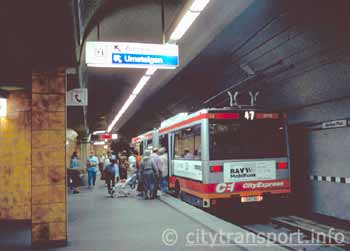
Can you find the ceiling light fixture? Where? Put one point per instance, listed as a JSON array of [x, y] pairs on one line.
[[199, 5], [151, 71], [98, 132], [141, 84], [183, 25], [121, 111], [186, 21], [3, 107]]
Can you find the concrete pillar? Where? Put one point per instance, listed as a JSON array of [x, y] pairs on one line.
[[84, 150], [49, 202]]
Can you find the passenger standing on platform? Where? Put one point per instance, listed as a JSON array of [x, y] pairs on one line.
[[105, 164], [101, 160], [138, 172], [123, 165], [92, 169], [112, 174], [164, 175], [74, 173], [132, 162], [159, 165], [149, 173], [74, 161]]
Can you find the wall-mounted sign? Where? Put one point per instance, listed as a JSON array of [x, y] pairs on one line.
[[335, 124], [77, 97], [131, 55]]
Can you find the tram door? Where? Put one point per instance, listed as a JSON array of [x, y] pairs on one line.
[[164, 142]]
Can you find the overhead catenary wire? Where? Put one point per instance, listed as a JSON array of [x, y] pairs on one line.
[[265, 42], [250, 51], [268, 79], [240, 82], [262, 28], [289, 39], [310, 67]]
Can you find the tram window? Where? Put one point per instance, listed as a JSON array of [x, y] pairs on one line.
[[188, 143], [163, 141], [149, 144], [247, 139]]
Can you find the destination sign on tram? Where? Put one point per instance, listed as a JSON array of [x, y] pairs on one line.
[[132, 55]]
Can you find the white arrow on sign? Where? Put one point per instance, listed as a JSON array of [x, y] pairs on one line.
[[77, 97]]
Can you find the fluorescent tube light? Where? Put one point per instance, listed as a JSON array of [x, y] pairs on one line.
[[121, 111], [127, 103], [141, 84], [183, 25], [98, 132], [150, 71], [199, 5]]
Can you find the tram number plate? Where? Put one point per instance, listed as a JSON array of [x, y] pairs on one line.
[[251, 199]]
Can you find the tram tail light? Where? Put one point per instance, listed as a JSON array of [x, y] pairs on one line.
[[216, 169], [282, 165]]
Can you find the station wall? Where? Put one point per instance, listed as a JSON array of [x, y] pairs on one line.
[[328, 151], [15, 155]]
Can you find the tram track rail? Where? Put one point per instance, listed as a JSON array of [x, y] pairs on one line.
[[311, 236]]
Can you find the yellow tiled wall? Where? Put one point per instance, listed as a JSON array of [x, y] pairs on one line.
[[49, 206], [15, 156]]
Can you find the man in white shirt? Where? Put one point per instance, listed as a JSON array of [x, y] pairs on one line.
[[132, 162], [164, 175]]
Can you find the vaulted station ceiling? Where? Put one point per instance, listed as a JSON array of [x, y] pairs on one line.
[[294, 52], [141, 22]]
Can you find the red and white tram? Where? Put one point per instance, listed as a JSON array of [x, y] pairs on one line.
[[226, 154]]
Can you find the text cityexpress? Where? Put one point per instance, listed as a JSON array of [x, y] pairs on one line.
[[248, 186]]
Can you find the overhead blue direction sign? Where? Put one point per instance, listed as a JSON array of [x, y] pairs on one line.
[[155, 60], [131, 55]]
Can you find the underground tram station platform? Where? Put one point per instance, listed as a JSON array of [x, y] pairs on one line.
[[175, 125]]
